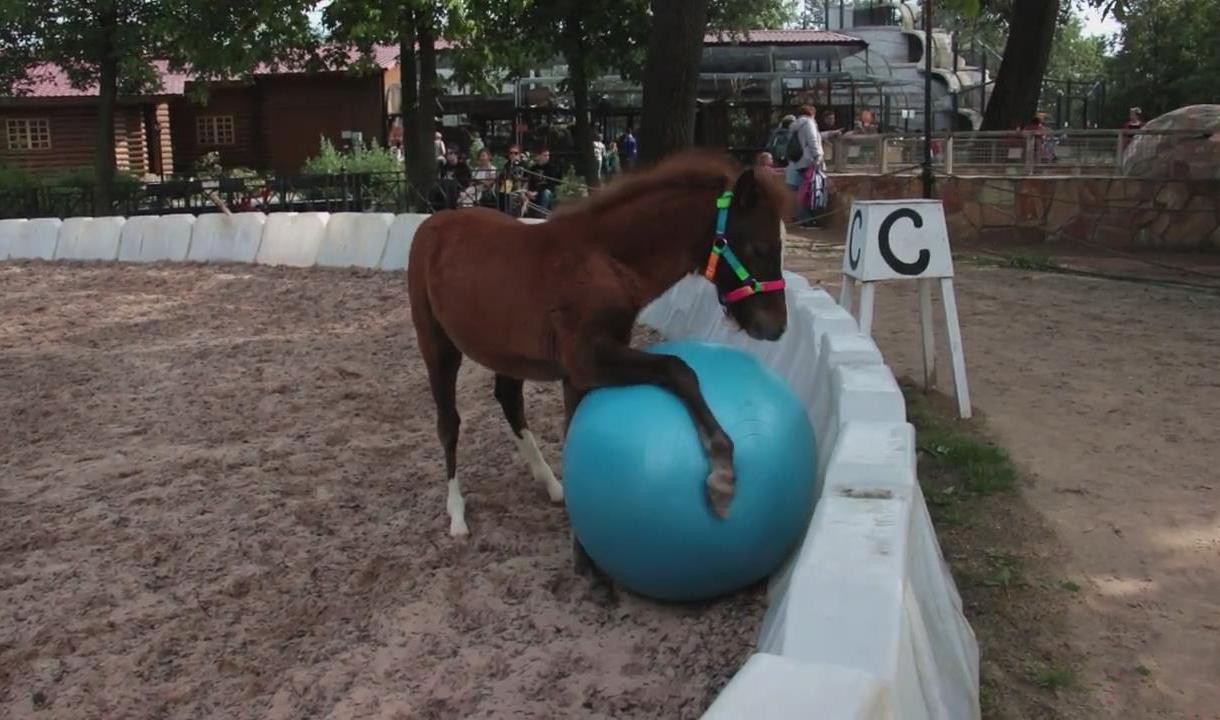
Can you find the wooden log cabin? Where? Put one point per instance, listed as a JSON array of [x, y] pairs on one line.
[[271, 122]]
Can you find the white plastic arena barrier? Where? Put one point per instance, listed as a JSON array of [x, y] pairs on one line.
[[29, 239], [156, 238], [89, 238], [355, 240], [864, 620], [293, 239], [217, 237], [9, 230], [398, 241]]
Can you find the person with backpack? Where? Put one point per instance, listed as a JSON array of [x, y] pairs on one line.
[[804, 156], [779, 139]]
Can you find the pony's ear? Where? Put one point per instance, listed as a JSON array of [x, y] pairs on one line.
[[746, 190]]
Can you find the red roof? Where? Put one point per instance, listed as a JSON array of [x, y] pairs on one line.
[[783, 37], [49, 80]]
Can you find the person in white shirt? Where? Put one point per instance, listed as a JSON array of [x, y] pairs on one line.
[[806, 130], [599, 152]]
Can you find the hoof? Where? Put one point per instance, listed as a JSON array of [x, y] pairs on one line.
[[457, 528], [720, 490]]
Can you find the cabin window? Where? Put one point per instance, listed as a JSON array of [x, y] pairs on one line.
[[215, 130], [28, 133]]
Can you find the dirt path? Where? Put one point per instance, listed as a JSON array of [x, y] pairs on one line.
[[222, 496], [1108, 396]]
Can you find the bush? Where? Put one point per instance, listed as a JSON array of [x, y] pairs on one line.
[[571, 187], [360, 159], [384, 190], [63, 192]]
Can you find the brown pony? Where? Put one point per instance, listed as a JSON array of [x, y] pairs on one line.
[[557, 301]]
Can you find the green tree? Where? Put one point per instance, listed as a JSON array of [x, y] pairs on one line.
[[593, 37], [111, 44], [1169, 57], [671, 67], [415, 26], [596, 37], [1074, 55], [1031, 31]]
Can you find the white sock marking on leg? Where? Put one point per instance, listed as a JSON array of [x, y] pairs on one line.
[[457, 509], [528, 447]]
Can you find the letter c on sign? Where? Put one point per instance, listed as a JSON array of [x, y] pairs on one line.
[[853, 258], [887, 253]]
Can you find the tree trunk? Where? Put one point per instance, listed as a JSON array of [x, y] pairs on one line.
[[578, 77], [671, 77], [107, 97], [425, 130], [1031, 32], [410, 109]]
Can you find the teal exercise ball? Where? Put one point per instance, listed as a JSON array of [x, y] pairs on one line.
[[635, 478]]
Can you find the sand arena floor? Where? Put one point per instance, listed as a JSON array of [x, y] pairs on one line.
[[223, 497]]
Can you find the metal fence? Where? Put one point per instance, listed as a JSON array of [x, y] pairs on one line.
[[1019, 153], [344, 192]]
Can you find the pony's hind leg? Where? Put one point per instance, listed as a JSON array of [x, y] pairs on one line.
[[511, 396], [443, 360]]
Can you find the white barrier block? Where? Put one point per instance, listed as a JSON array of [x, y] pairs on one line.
[[873, 459], [843, 600], [865, 392], [868, 460], [794, 282], [668, 312], [398, 240], [355, 239], [292, 239], [858, 392], [156, 238], [797, 361], [35, 239], [89, 238], [217, 237], [837, 349], [770, 687], [945, 646], [10, 230]]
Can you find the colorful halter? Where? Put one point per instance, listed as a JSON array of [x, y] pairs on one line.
[[720, 247]]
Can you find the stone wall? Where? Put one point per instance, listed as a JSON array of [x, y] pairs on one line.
[[1118, 212]]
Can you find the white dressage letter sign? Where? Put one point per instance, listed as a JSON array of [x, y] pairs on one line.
[[897, 240], [905, 240]]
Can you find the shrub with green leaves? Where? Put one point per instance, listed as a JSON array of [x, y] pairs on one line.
[[361, 158], [571, 187], [384, 189]]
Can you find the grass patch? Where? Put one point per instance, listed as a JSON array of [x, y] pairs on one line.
[[1054, 677], [1032, 261], [980, 466], [1069, 585], [1143, 670], [1004, 570]]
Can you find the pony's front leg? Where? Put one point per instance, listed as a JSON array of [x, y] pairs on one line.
[[608, 363]]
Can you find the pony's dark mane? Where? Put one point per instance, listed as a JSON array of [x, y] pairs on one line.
[[689, 169]]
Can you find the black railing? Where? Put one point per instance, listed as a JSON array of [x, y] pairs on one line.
[[344, 192]]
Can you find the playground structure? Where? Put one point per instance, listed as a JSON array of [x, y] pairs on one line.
[[863, 620]]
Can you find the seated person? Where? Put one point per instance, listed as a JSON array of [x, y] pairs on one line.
[[544, 180], [482, 187], [513, 183], [450, 166]]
